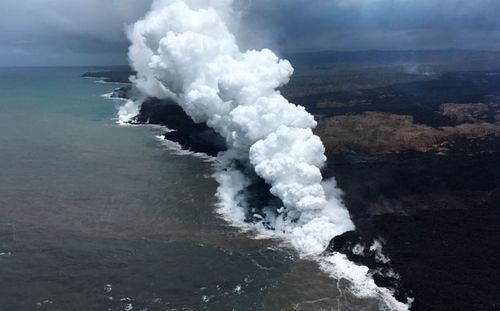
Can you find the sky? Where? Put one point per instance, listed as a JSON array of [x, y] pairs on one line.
[[91, 32]]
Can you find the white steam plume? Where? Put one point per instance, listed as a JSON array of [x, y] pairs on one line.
[[190, 55], [183, 50]]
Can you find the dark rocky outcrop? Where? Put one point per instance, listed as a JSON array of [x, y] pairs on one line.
[[192, 136], [124, 92], [366, 248]]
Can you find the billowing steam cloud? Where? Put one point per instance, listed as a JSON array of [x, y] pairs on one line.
[[190, 55], [183, 50]]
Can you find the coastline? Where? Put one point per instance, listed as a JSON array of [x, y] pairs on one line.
[[389, 197], [185, 137]]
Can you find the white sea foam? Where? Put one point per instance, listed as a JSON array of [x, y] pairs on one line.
[[127, 112], [177, 148], [107, 95], [339, 267], [110, 96], [108, 82]]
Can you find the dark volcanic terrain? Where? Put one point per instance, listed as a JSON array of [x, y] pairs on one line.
[[413, 141]]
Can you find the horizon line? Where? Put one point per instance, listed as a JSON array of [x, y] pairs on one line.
[[284, 54]]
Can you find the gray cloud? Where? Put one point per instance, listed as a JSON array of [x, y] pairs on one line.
[[305, 25], [64, 32], [40, 32]]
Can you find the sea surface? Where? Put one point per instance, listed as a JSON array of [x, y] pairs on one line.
[[97, 216]]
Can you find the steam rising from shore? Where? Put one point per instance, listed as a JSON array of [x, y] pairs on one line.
[[183, 50], [190, 56]]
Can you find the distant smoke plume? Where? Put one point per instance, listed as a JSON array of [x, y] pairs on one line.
[[418, 70], [183, 50]]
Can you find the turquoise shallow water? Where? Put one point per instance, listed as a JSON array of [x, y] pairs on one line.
[[94, 216]]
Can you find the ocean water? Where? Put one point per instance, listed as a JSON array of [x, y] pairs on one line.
[[96, 216]]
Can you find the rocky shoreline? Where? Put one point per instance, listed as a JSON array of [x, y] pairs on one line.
[[436, 217], [427, 193], [190, 135]]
